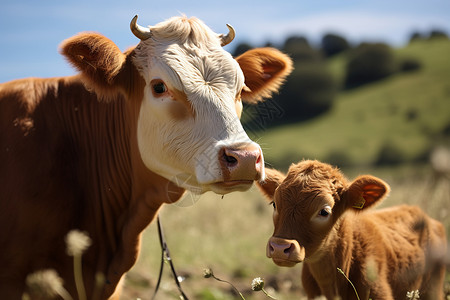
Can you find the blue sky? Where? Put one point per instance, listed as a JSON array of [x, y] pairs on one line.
[[31, 31]]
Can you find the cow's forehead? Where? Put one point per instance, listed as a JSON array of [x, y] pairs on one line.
[[192, 56], [200, 71], [184, 30]]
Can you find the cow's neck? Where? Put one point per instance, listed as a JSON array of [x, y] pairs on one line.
[[121, 196], [103, 134]]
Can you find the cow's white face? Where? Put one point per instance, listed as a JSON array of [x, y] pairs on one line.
[[189, 129]]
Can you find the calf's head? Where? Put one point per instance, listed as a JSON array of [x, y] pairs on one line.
[[188, 94], [308, 203]]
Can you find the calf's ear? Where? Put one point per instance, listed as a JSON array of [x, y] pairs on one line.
[[365, 191], [273, 179], [97, 58], [265, 70]]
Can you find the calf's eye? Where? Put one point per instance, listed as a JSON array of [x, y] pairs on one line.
[[273, 204], [323, 213]]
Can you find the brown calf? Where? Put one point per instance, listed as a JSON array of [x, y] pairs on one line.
[[322, 220]]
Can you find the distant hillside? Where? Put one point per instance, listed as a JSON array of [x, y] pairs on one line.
[[395, 120]]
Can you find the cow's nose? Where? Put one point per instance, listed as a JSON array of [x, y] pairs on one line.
[[285, 252], [242, 163]]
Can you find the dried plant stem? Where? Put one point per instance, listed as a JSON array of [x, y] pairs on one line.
[[342, 272], [99, 284], [221, 280], [65, 294], [78, 273], [267, 294]]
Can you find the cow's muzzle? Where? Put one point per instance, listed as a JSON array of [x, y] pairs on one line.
[[284, 252], [241, 163]]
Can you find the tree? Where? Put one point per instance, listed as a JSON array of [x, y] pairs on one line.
[[300, 50], [308, 92], [368, 63], [241, 48], [333, 44], [437, 33], [415, 36]]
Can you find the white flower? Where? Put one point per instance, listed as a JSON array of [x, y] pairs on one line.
[[257, 284], [45, 283], [77, 242], [413, 295], [207, 273]]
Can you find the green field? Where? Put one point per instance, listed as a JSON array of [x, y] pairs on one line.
[[407, 114], [407, 111]]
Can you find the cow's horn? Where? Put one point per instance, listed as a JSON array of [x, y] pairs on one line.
[[140, 32], [226, 39]]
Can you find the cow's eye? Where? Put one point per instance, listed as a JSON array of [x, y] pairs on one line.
[[273, 204], [159, 87], [325, 212]]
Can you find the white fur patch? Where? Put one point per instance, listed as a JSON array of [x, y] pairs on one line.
[[188, 149]]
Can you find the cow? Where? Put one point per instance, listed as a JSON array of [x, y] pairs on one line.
[[101, 151], [325, 221]]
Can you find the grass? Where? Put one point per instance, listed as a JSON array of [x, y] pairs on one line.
[[407, 111]]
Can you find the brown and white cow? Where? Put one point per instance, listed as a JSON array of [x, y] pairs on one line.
[[321, 219], [99, 151]]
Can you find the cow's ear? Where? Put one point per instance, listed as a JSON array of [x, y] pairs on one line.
[[95, 56], [273, 179], [365, 191], [265, 70]]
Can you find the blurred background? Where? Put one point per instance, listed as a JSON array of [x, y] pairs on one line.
[[370, 93]]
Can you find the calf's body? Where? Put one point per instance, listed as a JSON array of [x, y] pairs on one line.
[[385, 253], [321, 220]]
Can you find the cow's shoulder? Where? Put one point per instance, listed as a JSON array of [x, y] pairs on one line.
[[28, 93]]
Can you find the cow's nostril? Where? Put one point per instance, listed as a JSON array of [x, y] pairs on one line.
[[288, 249], [242, 163], [230, 159], [271, 249]]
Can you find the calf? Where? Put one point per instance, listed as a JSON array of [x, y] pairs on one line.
[[323, 220]]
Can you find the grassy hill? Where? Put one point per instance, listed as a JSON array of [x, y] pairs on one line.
[[403, 116]]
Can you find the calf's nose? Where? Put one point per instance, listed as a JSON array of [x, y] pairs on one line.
[[284, 251], [244, 162], [280, 250]]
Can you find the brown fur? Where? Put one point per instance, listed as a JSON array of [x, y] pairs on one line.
[[69, 161], [181, 107], [385, 253], [264, 71]]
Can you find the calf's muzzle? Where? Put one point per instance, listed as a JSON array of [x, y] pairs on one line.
[[285, 252]]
